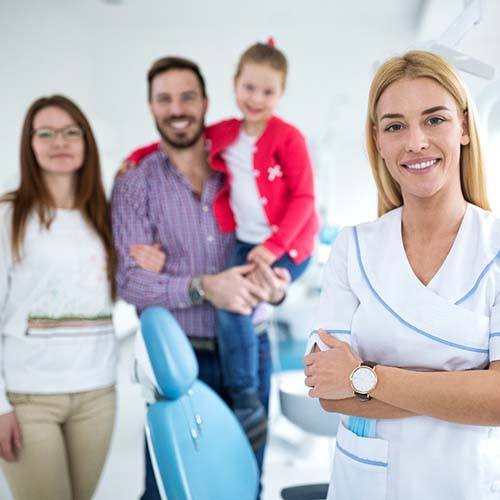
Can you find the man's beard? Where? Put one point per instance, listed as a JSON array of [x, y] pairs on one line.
[[181, 143]]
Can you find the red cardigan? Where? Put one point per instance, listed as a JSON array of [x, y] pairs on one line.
[[284, 179]]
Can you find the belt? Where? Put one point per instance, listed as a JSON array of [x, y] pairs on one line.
[[203, 343], [211, 344]]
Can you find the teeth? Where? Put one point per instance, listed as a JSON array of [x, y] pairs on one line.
[[180, 124], [420, 166]]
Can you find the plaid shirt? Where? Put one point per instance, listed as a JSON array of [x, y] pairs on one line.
[[154, 203]]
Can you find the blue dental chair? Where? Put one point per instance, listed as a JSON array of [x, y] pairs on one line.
[[198, 448]]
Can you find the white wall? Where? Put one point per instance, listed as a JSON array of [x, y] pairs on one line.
[[98, 54]]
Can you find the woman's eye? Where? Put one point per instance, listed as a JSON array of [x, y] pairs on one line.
[[73, 132], [395, 127], [435, 120], [45, 134], [249, 87], [269, 92]]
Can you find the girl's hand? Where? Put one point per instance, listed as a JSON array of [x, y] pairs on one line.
[[261, 254], [327, 372], [10, 436], [149, 257], [134, 158], [125, 166]]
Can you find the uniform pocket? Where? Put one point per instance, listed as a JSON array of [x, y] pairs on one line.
[[359, 467]]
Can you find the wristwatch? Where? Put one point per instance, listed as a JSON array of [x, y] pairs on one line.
[[196, 292], [364, 380]]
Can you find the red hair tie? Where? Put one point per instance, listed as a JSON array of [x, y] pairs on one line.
[[270, 41]]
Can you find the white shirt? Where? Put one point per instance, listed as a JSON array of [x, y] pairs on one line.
[[252, 225], [373, 300], [55, 309]]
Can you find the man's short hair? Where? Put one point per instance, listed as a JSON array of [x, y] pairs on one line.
[[169, 63]]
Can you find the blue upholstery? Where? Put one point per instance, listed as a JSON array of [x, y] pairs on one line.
[[170, 353], [198, 448]]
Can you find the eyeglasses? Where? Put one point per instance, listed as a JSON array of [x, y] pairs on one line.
[[69, 133]]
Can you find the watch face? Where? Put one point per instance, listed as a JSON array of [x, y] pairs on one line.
[[363, 380], [195, 296]]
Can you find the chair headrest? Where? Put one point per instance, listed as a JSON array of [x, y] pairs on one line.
[[170, 353]]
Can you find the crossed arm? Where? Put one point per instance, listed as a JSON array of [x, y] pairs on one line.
[[464, 397]]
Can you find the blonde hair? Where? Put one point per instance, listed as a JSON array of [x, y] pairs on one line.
[[421, 64], [264, 53]]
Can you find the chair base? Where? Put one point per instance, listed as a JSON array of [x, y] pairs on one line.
[[306, 492]]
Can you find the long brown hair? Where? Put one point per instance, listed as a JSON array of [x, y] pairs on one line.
[[32, 195], [422, 64]]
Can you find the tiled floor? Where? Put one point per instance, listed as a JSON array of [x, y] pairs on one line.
[[293, 456]]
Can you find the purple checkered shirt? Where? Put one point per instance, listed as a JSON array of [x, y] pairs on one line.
[[154, 203]]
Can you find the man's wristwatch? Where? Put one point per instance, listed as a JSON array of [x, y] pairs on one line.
[[196, 292], [364, 380]]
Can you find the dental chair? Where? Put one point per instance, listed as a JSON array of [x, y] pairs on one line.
[[198, 448]]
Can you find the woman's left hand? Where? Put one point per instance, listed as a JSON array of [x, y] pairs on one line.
[[328, 372]]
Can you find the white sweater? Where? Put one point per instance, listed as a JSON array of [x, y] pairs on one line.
[[55, 309]]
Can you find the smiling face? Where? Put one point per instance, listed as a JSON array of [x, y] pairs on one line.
[[178, 107], [419, 133], [258, 90], [62, 153]]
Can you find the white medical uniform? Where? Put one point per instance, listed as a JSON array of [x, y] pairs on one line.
[[372, 299]]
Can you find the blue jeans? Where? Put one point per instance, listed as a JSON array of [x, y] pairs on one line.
[[236, 334], [210, 372]]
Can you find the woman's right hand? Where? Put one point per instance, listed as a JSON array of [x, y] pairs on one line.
[[149, 257], [10, 436]]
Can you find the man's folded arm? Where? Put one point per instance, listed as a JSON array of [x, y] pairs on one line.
[[131, 226]]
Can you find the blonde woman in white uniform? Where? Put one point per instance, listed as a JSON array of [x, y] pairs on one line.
[[416, 296]]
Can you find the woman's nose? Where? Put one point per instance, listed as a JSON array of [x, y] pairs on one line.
[[417, 140]]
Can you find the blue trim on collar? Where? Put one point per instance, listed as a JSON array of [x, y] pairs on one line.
[[494, 334], [403, 321], [332, 332], [478, 281], [359, 459]]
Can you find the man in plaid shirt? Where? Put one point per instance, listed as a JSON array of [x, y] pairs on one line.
[[163, 220]]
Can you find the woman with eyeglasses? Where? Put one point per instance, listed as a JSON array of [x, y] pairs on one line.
[[57, 349]]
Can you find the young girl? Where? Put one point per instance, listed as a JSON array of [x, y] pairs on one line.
[[57, 396], [268, 200]]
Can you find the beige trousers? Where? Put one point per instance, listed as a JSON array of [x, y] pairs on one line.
[[65, 442]]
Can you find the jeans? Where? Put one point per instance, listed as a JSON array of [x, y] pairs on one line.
[[210, 372], [236, 334]]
